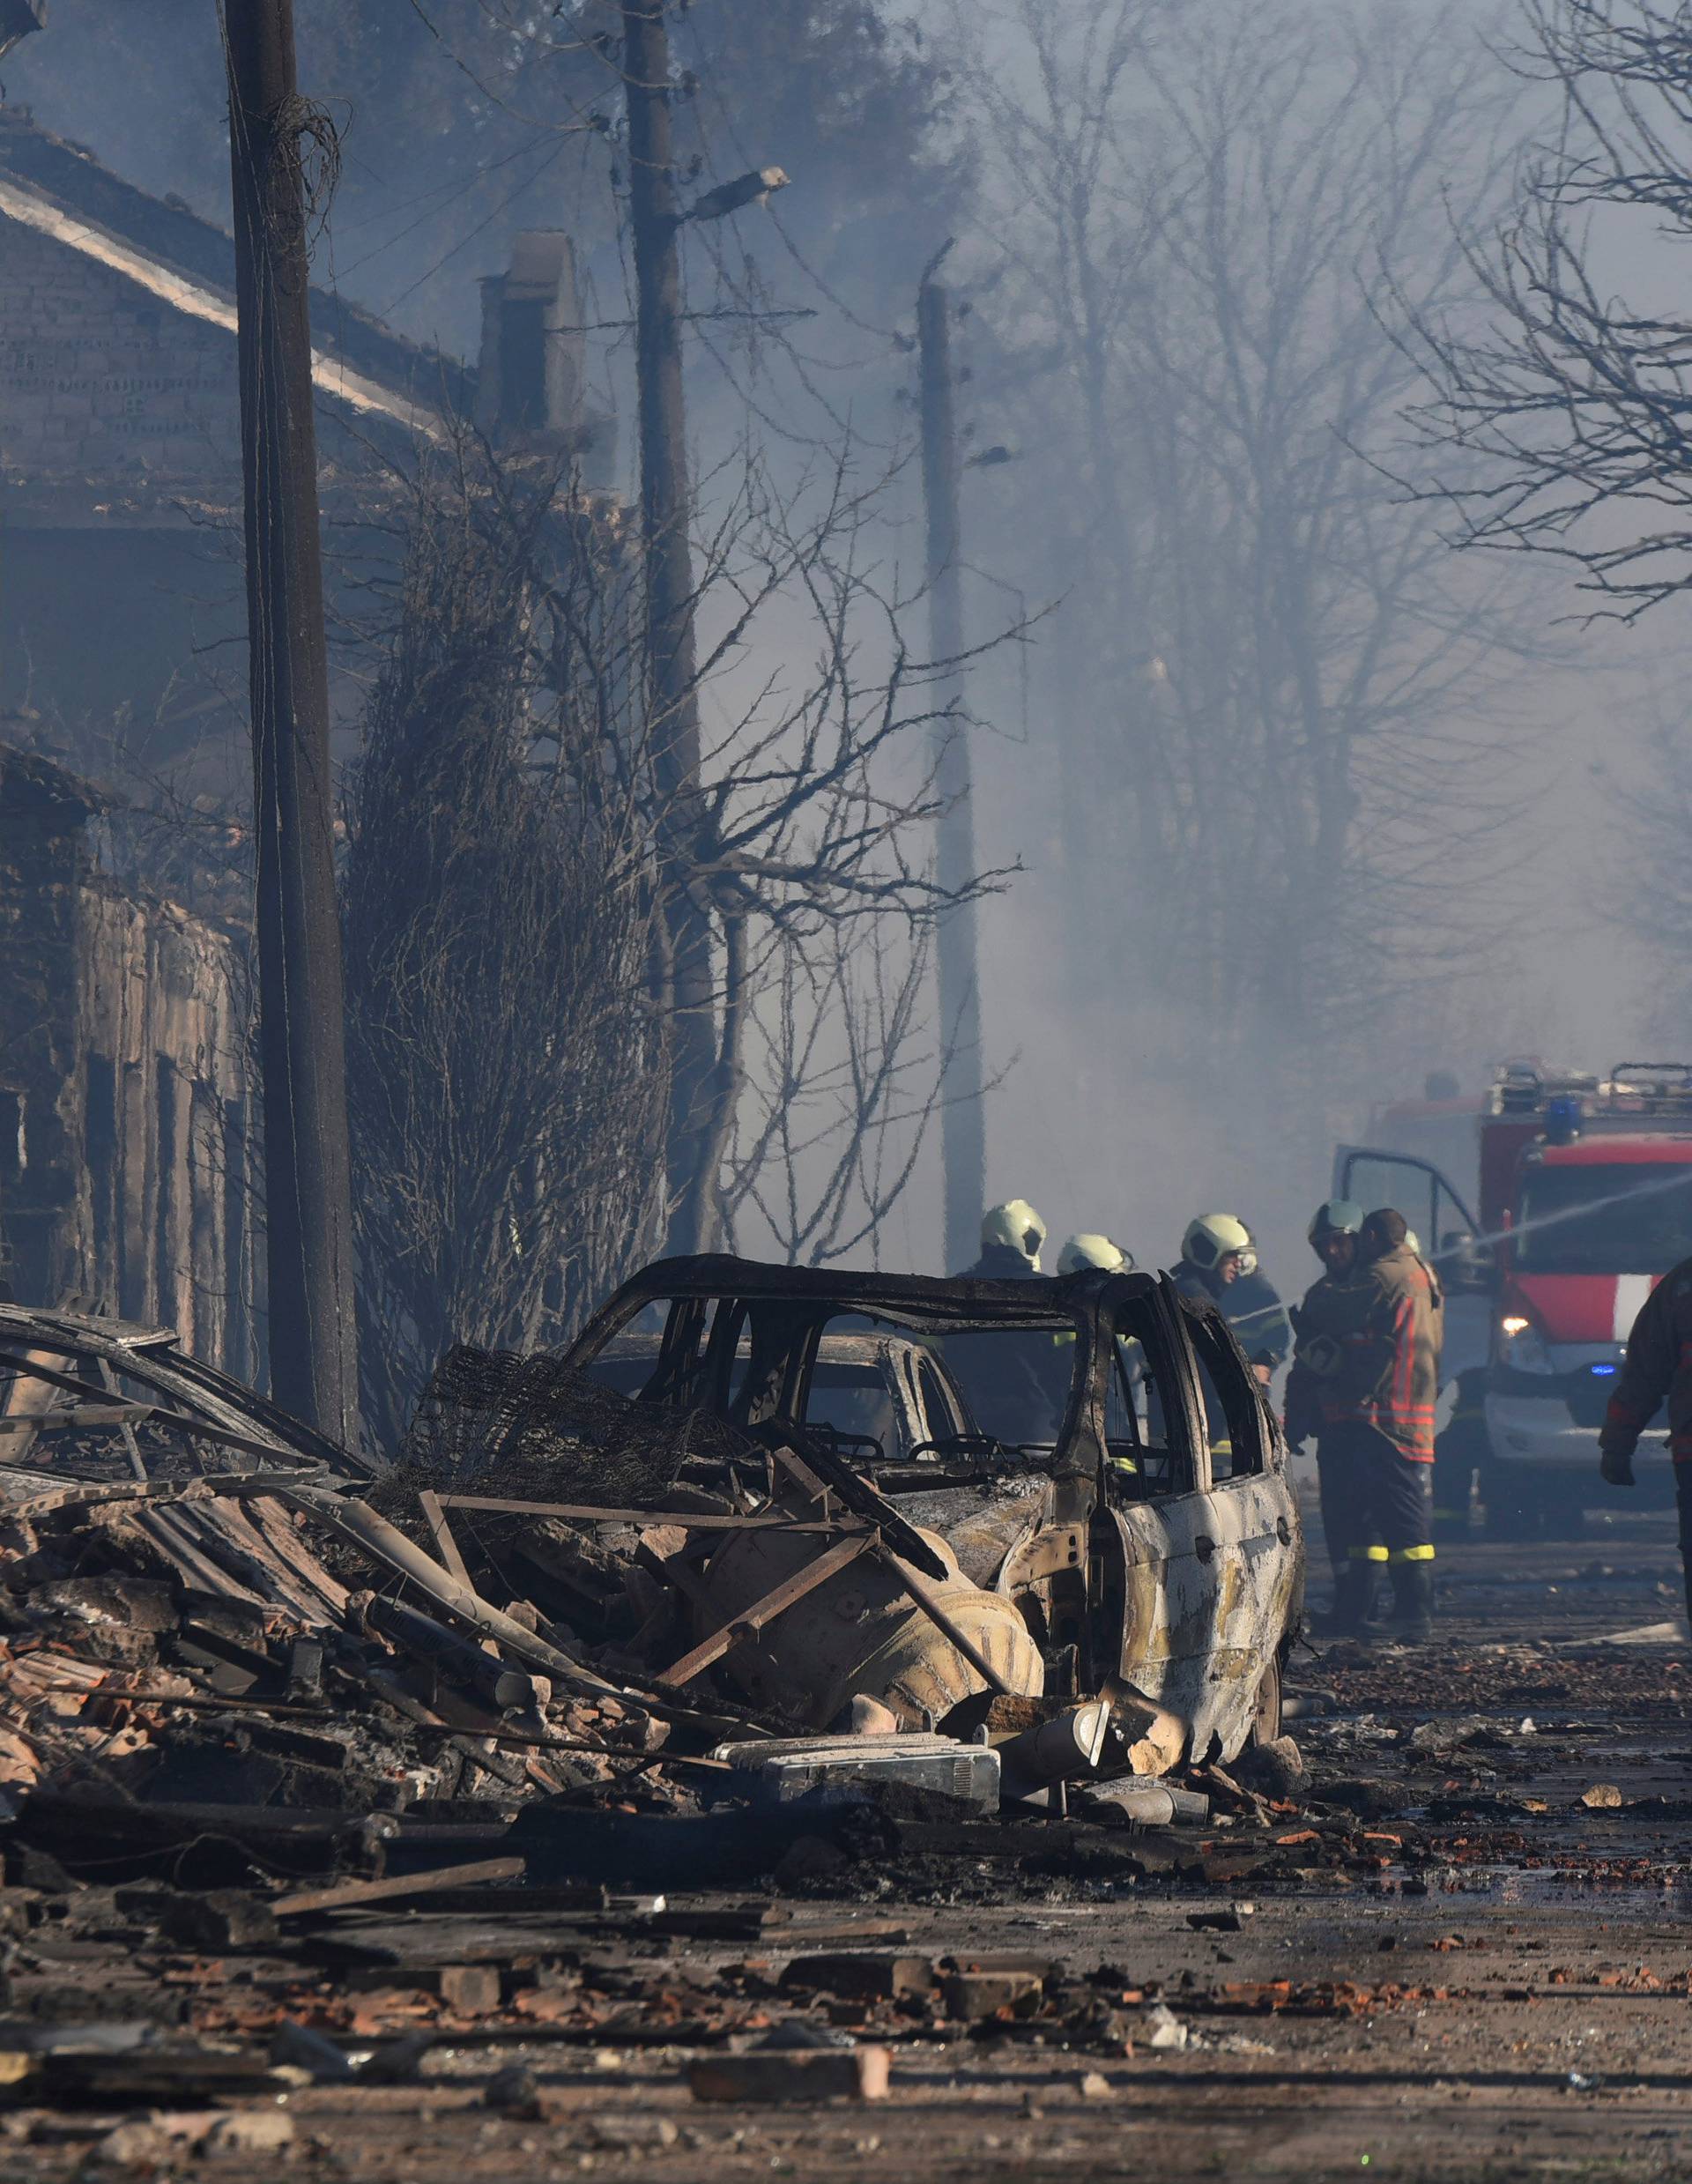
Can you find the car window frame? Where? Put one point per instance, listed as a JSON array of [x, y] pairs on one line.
[[1131, 1319], [1205, 1327]]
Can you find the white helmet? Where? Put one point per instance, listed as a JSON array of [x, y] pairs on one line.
[[1085, 1251], [1212, 1237], [1016, 1224]]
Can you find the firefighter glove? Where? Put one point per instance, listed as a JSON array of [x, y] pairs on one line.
[[1617, 1466]]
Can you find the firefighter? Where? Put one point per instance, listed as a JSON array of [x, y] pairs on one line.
[[1659, 1365], [1321, 1324], [1010, 1236], [1377, 1411], [1211, 1252], [1088, 1250], [1215, 1253], [1015, 1386]]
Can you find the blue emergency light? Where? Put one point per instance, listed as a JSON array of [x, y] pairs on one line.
[[1562, 1120]]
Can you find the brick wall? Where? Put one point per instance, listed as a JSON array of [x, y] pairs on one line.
[[98, 376]]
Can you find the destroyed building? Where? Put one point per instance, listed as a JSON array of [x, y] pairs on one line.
[[124, 1125], [119, 450], [125, 1171]]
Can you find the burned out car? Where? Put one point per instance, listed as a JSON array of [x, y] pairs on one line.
[[1101, 1504], [751, 1504]]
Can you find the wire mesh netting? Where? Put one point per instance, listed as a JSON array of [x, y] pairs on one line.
[[533, 1429]]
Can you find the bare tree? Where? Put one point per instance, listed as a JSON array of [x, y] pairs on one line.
[[810, 851], [839, 1094], [510, 840], [1281, 690], [507, 1069], [1569, 406]]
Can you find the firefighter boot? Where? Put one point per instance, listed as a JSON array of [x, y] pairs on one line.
[[1353, 1600], [1413, 1601]]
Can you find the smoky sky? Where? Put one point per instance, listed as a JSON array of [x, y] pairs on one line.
[[1111, 1113]]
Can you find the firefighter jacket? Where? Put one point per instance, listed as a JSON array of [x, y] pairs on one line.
[[1251, 1307], [1388, 1374], [1330, 1312], [1194, 1282], [1015, 1380], [1660, 1364]]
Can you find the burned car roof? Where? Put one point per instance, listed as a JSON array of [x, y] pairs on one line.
[[937, 1301]]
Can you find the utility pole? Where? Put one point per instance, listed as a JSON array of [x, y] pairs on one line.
[[302, 1063], [963, 1145], [671, 651]]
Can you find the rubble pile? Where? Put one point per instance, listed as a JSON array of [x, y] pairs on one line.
[[181, 1645]]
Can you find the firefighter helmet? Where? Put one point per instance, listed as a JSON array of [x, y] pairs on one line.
[[1085, 1251], [1214, 1238], [1336, 1216], [1014, 1224]]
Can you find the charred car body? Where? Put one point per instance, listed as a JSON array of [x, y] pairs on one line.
[[1102, 1505]]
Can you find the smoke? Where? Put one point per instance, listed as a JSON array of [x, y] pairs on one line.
[[1157, 1056]]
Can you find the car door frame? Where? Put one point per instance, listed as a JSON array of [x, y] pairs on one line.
[[1256, 1561], [1168, 1591], [1471, 1287]]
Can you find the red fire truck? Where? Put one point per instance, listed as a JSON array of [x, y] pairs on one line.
[[1582, 1188]]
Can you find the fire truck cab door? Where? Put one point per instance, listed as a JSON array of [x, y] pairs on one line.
[[1434, 1209], [1430, 1203]]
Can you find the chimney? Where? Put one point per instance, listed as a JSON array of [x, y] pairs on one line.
[[531, 378]]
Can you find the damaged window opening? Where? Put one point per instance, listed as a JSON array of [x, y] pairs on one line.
[[873, 1382], [1237, 1428]]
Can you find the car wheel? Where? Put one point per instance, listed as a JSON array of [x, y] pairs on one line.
[[1266, 1717]]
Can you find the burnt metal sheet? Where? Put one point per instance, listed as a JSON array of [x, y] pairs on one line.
[[48, 1346]]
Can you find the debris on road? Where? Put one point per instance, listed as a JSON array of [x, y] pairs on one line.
[[343, 1786]]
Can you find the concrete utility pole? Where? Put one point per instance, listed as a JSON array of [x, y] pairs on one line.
[[307, 1193], [963, 1142], [670, 644]]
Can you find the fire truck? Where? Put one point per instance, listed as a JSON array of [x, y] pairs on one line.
[[1550, 1207]]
